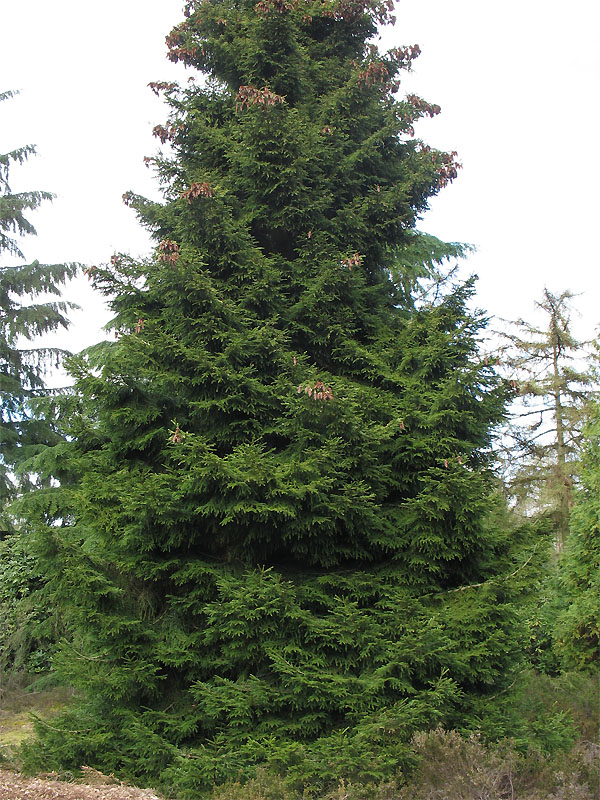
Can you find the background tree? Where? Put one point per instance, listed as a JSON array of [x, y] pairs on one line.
[[25, 426], [23, 365], [544, 435], [275, 544]]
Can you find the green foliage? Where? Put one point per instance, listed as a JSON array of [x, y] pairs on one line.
[[23, 428], [275, 539], [26, 427], [14, 206], [564, 614], [447, 765], [578, 626], [538, 713], [541, 616], [536, 739], [27, 424], [27, 631]]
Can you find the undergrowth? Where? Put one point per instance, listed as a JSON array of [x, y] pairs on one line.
[[536, 741], [451, 767]]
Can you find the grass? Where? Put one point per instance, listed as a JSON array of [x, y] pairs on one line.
[[17, 704]]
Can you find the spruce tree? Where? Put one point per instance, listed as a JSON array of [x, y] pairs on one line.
[[272, 542], [23, 361]]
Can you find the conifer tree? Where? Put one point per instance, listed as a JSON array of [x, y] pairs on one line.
[[273, 547], [545, 433], [22, 366]]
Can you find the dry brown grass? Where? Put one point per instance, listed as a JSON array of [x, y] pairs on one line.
[[453, 768]]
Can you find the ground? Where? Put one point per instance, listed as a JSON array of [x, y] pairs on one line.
[[16, 724], [100, 787]]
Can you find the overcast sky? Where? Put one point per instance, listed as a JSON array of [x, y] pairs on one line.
[[518, 83]]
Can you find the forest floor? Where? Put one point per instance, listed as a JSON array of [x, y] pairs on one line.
[[17, 706], [16, 724], [99, 787]]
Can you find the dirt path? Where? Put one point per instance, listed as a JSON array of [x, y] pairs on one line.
[[15, 787]]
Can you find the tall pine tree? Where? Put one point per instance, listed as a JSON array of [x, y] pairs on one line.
[[272, 544], [544, 435]]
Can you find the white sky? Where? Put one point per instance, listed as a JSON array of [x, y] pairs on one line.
[[518, 83]]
